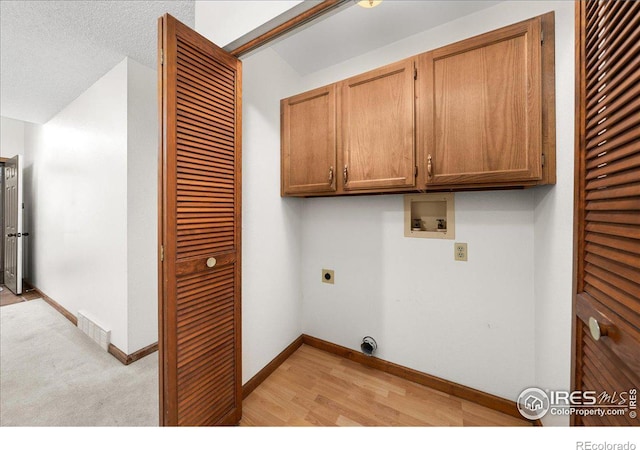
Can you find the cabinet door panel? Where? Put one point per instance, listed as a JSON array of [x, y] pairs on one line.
[[309, 142], [377, 140], [483, 120]]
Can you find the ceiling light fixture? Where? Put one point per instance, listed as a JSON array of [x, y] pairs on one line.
[[369, 3]]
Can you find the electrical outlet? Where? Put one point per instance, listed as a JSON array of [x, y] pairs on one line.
[[327, 276], [460, 251]]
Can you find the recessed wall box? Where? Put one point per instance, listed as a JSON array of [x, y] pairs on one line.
[[429, 216]]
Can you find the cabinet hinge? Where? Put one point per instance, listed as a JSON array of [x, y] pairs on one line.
[[415, 171], [541, 37], [162, 253], [543, 160], [415, 73], [161, 57]]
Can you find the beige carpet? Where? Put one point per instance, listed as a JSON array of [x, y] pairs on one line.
[[51, 374]]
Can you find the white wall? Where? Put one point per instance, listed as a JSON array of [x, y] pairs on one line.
[[142, 205], [90, 175], [222, 22], [11, 137], [472, 323], [271, 226], [468, 322], [500, 322], [271, 252], [553, 218], [79, 204]]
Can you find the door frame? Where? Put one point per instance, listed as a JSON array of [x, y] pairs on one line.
[[19, 269], [578, 185]]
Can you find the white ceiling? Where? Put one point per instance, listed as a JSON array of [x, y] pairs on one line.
[[355, 31], [52, 51]]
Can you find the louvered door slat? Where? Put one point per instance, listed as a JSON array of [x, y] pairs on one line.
[[613, 205], [200, 229], [615, 267], [627, 191], [625, 150], [205, 380], [618, 42], [222, 117], [189, 122], [193, 91], [608, 204], [612, 104], [611, 14], [615, 81], [601, 19], [196, 372], [621, 217], [599, 148], [602, 373]]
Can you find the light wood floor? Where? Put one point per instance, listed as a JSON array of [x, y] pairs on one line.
[[316, 388], [9, 298]]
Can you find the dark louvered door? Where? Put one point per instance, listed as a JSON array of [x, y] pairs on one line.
[[200, 168], [607, 301]]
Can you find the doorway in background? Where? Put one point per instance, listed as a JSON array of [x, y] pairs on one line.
[[12, 226]]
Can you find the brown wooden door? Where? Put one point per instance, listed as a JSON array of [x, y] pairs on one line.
[[376, 126], [308, 137], [607, 298], [199, 229], [480, 108]]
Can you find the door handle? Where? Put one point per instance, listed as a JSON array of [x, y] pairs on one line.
[[429, 166], [211, 262], [330, 174], [11, 235], [597, 330], [345, 174]]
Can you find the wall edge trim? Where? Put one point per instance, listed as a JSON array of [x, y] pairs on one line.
[[491, 401], [267, 370], [113, 350]]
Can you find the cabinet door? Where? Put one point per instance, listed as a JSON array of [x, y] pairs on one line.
[[376, 124], [309, 142], [479, 101]]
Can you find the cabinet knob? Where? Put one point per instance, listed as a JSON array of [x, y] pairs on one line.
[[597, 330], [330, 174], [211, 262], [429, 166], [345, 174]]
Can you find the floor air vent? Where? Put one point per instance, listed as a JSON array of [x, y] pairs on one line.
[[89, 327]]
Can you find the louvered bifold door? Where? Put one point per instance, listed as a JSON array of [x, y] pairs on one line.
[[200, 363], [607, 302]]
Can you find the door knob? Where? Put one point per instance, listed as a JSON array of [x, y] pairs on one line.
[[211, 262], [597, 330]]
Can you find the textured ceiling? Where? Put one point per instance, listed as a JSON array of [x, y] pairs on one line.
[[355, 31], [52, 51]]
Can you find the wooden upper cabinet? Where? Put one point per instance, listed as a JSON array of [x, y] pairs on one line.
[[476, 114], [309, 142], [480, 109], [376, 126]]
